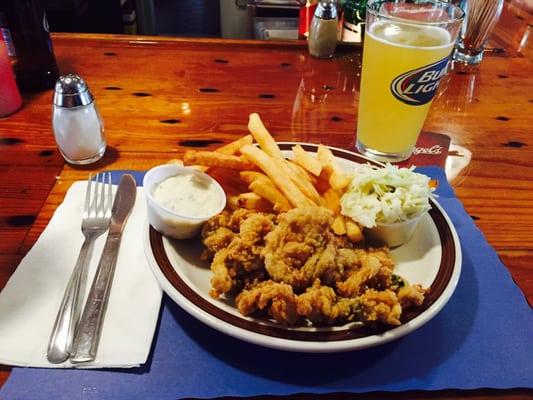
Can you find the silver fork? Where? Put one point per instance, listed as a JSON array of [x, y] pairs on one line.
[[96, 217]]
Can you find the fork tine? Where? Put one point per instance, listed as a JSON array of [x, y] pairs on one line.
[[97, 191], [93, 195], [102, 204], [109, 195], [94, 204], [87, 196]]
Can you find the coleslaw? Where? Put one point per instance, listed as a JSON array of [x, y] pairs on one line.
[[386, 195]]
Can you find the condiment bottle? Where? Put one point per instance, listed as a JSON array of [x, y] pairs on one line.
[[10, 100], [77, 124], [353, 24], [307, 10], [322, 39], [6, 37], [36, 68]]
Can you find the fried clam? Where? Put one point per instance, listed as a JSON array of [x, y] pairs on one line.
[[236, 240], [318, 304], [292, 268], [277, 299], [380, 307], [300, 248], [321, 305]]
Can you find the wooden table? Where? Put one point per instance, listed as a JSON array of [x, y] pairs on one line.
[[161, 96]]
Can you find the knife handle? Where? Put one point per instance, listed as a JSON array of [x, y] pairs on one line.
[[89, 329], [60, 342]]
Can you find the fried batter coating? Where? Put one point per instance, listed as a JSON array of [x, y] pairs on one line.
[[242, 255], [221, 281], [237, 218], [245, 249], [380, 307], [355, 284], [276, 298], [217, 231], [300, 249], [346, 258], [411, 296], [216, 235], [321, 306], [292, 267], [214, 223], [217, 240]]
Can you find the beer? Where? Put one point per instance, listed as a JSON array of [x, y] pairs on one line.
[[403, 62]]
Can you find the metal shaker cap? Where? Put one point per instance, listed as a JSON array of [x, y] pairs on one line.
[[72, 91], [326, 9]]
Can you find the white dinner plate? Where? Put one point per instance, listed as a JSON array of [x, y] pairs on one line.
[[431, 258]]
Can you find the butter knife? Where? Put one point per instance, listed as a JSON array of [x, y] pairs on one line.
[[89, 329]]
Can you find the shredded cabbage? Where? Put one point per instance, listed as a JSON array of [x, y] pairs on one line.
[[385, 195]]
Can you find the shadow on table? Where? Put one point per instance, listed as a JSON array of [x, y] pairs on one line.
[[111, 155]]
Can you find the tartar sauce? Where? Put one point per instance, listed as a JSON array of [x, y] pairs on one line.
[[188, 194]]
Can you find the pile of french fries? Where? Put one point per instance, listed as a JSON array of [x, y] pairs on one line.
[[278, 184]]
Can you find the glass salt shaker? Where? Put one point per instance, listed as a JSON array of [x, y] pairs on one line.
[[322, 39], [77, 124]]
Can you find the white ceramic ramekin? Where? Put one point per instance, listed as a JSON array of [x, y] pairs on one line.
[[170, 223], [395, 234]]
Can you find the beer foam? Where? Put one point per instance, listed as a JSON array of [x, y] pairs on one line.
[[410, 35]]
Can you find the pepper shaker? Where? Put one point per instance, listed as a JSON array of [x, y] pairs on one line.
[[76, 122], [322, 39]]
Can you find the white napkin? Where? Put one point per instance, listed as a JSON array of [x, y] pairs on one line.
[[31, 299]]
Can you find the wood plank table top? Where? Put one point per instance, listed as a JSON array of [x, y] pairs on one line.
[[161, 96]]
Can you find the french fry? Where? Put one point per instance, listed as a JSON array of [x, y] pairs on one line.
[[263, 137], [353, 231], [272, 194], [339, 225], [310, 177], [252, 201], [233, 202], [278, 175], [250, 176], [229, 149], [177, 161], [332, 201], [324, 156], [337, 179], [302, 181], [214, 159], [234, 147], [269, 146], [306, 160], [262, 185], [298, 176]]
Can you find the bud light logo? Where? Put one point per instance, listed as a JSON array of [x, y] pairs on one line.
[[418, 86]]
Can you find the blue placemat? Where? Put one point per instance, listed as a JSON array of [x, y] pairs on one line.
[[483, 338]]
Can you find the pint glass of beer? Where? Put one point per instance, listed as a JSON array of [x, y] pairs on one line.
[[406, 51]]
